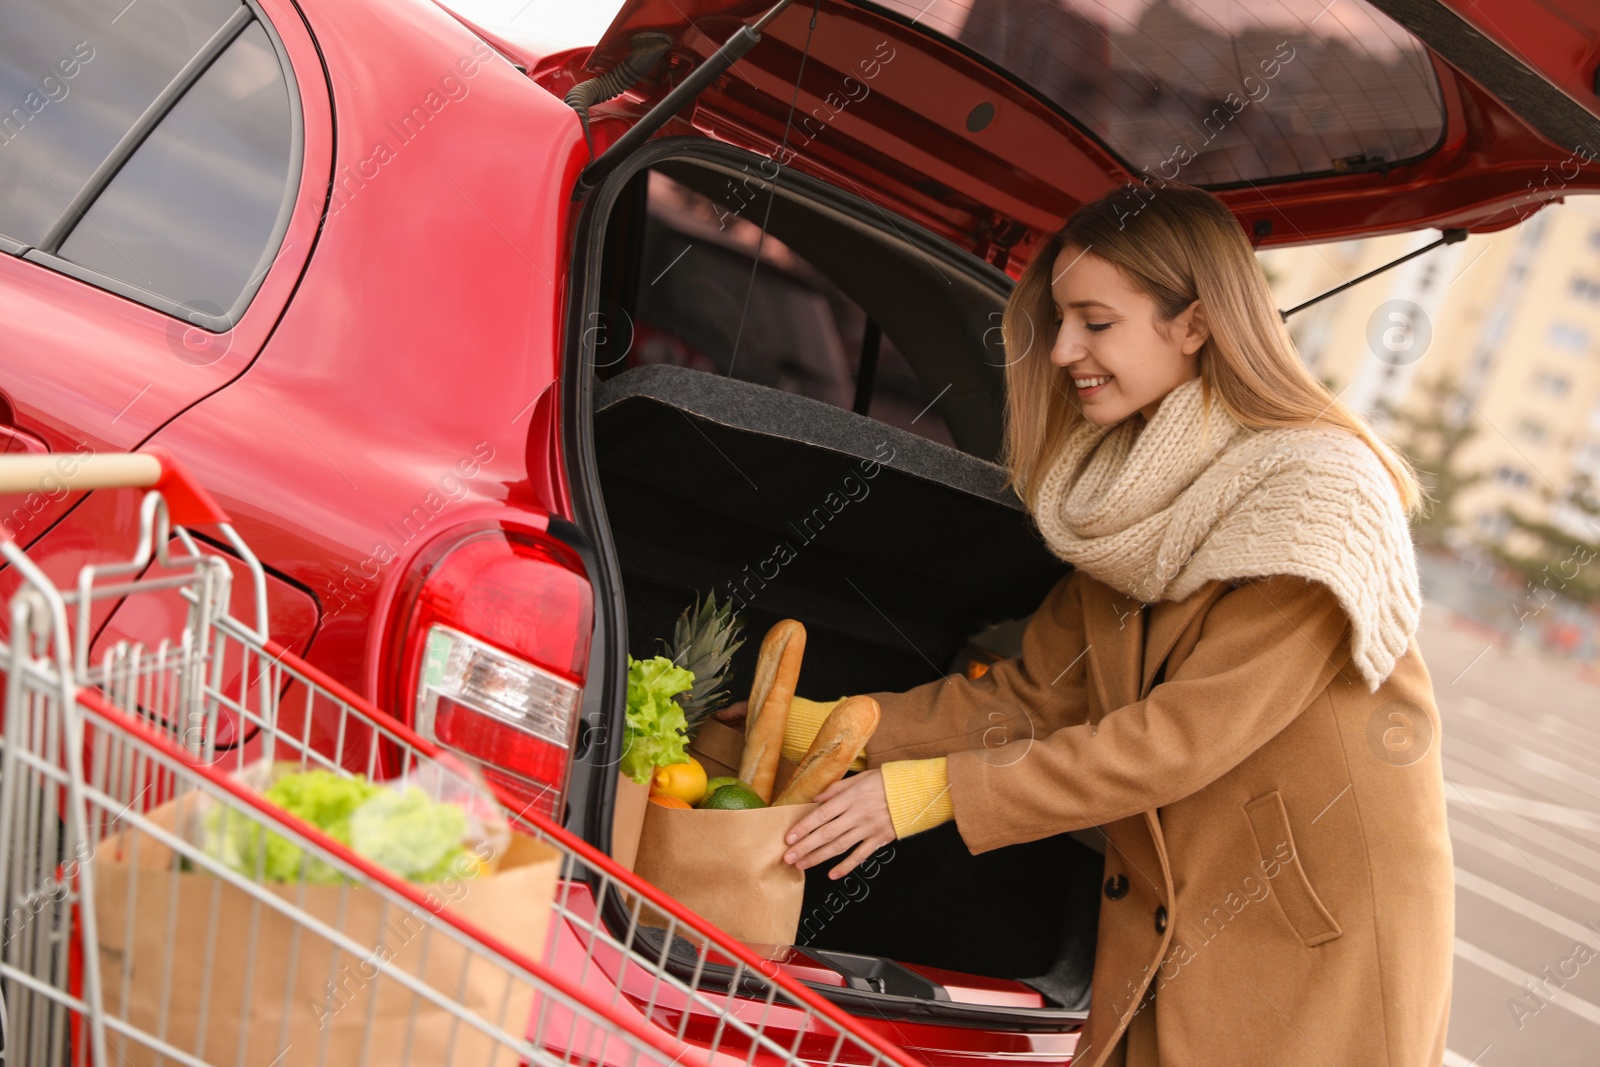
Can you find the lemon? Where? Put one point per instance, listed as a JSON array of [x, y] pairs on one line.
[[686, 781], [735, 797]]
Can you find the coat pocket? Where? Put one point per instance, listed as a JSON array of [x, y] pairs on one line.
[[1280, 861]]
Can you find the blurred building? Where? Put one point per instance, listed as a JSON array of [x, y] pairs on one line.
[[1501, 331]]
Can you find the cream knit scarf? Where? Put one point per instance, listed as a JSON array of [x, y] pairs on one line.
[[1157, 512]]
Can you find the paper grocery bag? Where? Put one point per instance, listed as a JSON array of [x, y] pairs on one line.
[[232, 973], [627, 819], [728, 866], [718, 748]]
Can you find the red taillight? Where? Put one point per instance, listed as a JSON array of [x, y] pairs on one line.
[[495, 645]]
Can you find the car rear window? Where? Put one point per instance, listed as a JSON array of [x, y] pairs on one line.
[[74, 76], [699, 303], [1214, 92]]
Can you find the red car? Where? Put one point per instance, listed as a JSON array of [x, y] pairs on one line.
[[478, 344]]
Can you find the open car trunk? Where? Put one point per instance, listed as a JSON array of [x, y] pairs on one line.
[[893, 550], [913, 143]]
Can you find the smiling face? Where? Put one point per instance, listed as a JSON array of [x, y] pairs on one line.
[[1108, 342]]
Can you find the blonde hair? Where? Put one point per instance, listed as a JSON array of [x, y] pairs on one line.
[[1176, 243]]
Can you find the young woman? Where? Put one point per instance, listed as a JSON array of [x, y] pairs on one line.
[[1226, 685]]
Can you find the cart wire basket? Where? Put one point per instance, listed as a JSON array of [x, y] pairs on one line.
[[130, 939]]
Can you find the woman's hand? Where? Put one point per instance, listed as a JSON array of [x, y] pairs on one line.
[[733, 714], [852, 813]]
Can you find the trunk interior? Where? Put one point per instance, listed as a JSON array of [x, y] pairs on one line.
[[812, 434]]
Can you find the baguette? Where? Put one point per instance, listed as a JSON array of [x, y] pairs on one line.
[[843, 732], [777, 673]]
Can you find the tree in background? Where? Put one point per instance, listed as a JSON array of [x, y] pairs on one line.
[[1562, 564], [1431, 431]]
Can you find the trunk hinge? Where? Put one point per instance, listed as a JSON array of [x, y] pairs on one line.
[[735, 47]]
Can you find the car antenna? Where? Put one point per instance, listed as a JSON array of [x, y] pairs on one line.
[[1447, 237], [731, 51]]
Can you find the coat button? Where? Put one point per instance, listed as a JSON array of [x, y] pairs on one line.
[[1116, 887], [1161, 918]]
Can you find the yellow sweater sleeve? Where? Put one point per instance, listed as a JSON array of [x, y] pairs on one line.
[[805, 719], [918, 792]]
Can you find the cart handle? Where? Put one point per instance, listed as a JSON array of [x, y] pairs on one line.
[[188, 504], [152, 467]]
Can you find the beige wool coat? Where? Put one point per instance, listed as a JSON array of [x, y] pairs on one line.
[[1278, 886]]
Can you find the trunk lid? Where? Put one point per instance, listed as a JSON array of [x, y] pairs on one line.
[[989, 121]]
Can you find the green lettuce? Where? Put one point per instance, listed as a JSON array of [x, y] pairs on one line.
[[404, 831], [656, 729], [411, 834]]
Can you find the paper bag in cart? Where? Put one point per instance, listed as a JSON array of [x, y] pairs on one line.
[[231, 973]]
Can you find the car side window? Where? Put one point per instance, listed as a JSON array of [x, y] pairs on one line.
[[75, 75], [190, 215], [178, 195]]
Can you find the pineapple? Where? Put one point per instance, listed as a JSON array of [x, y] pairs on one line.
[[703, 642]]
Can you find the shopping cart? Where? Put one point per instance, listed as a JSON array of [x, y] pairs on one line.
[[97, 755]]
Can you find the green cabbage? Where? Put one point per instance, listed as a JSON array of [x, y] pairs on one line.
[[656, 730]]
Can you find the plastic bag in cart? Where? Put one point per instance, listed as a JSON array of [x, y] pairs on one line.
[[437, 821]]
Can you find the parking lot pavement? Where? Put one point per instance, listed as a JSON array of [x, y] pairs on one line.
[[1522, 779]]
